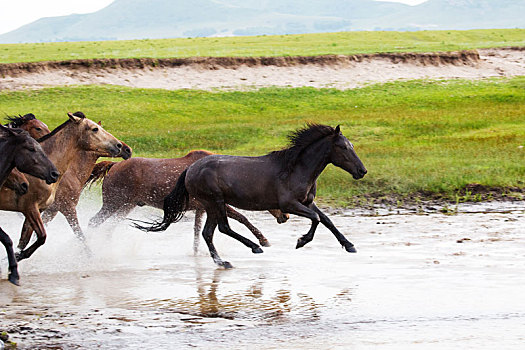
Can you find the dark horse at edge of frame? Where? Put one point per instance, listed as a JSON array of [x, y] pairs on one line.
[[18, 149], [284, 180]]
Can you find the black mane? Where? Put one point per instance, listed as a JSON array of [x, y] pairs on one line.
[[16, 122], [299, 140], [60, 127]]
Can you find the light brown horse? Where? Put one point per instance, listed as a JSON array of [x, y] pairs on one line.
[[19, 149], [146, 181], [71, 185], [62, 146]]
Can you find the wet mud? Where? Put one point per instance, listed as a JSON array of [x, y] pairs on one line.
[[418, 280]]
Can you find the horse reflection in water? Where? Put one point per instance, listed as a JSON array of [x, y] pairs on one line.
[[256, 300], [284, 180]]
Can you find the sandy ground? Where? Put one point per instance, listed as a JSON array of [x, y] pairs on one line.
[[429, 281], [493, 63]]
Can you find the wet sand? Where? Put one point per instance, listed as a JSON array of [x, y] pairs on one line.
[[417, 281]]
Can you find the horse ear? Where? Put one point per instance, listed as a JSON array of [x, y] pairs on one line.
[[8, 130], [73, 118], [337, 130]]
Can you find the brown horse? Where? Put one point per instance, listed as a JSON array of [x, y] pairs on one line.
[[62, 146], [133, 183], [72, 182], [28, 122], [16, 181], [284, 180], [18, 149]]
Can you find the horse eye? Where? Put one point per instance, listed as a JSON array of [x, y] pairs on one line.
[[95, 129], [38, 129]]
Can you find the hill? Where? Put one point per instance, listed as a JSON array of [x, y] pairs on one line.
[[140, 19]]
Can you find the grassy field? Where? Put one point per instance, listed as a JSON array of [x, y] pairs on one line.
[[346, 43], [414, 137]]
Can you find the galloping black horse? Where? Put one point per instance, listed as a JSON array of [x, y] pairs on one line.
[[284, 180], [19, 149]]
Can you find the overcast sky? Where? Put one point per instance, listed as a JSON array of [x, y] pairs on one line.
[[16, 13]]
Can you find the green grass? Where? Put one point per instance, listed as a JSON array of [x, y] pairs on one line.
[[414, 137], [346, 43]]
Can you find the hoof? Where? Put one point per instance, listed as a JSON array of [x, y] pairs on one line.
[[265, 243], [257, 250], [350, 248], [14, 279], [226, 265], [300, 243]]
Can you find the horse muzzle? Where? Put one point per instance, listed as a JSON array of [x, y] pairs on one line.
[[360, 173], [52, 177]]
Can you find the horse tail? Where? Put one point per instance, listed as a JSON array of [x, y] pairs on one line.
[[99, 172], [175, 206]]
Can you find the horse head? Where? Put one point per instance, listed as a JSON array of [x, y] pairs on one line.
[[28, 122], [17, 182], [343, 155], [93, 137], [29, 157]]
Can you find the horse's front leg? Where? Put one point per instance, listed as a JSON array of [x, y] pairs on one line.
[[300, 209], [329, 225], [35, 222], [27, 232], [13, 266], [71, 216]]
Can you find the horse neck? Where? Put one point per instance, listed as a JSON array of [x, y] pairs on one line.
[[6, 166], [312, 161], [63, 147], [6, 162], [84, 166]]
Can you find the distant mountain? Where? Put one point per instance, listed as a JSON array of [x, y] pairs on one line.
[[139, 19], [455, 14]]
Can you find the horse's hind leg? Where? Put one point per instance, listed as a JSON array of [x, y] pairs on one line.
[[197, 229], [13, 265], [225, 228], [207, 234], [102, 215], [329, 225], [235, 215]]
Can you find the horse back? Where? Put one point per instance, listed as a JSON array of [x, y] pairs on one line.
[[245, 182]]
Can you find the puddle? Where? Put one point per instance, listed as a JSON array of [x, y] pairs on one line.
[[432, 280]]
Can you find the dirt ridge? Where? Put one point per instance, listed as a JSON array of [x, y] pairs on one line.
[[465, 57]]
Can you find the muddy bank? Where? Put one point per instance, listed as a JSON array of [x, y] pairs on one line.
[[211, 63], [423, 200], [207, 73]]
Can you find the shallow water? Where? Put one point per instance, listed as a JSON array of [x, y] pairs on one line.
[[433, 281]]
